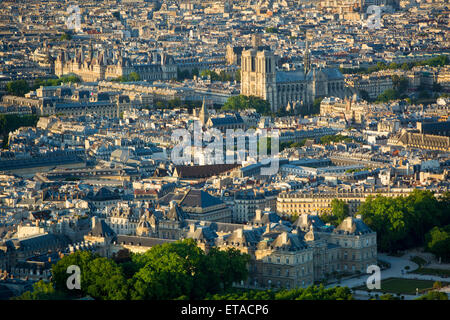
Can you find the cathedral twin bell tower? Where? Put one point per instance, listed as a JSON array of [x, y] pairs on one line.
[[283, 89], [258, 75]]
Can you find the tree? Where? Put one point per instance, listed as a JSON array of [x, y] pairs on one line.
[[18, 87], [365, 95], [271, 30], [388, 95], [437, 285], [101, 278], [402, 222], [309, 293], [229, 265], [11, 122], [237, 75], [41, 291], [438, 242], [388, 296], [66, 36], [181, 268], [133, 76], [340, 211], [242, 102], [434, 295], [316, 106], [400, 83]]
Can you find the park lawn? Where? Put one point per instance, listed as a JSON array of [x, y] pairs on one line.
[[403, 286], [433, 272]]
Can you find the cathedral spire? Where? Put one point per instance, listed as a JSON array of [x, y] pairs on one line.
[[307, 58], [203, 113]]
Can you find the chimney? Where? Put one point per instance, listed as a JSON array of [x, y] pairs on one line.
[[349, 222], [284, 237], [258, 214], [240, 233], [192, 228]]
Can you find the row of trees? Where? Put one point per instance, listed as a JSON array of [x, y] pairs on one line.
[[22, 87], [334, 138], [309, 293], [177, 103], [133, 76], [292, 144], [434, 62], [242, 102], [178, 270], [407, 222], [214, 76]]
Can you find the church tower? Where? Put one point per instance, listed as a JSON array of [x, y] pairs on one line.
[[258, 76], [307, 59], [204, 116]]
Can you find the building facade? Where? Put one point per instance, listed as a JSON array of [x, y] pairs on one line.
[[259, 77]]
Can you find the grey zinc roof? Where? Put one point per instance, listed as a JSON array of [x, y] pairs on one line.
[[199, 198], [353, 226], [290, 76], [227, 120], [332, 73]]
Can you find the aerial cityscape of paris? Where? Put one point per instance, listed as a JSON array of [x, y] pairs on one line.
[[223, 150]]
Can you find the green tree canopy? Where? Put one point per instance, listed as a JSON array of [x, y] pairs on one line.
[[438, 242], [242, 102], [18, 87], [402, 222], [178, 270]]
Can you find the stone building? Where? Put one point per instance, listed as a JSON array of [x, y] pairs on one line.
[[104, 65], [199, 205], [351, 110], [282, 254], [320, 201], [413, 140]]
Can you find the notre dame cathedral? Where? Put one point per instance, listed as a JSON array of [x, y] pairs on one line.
[[288, 89]]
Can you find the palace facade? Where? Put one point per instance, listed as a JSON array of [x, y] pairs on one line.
[[103, 65]]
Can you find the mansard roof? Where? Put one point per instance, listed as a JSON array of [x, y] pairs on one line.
[[306, 221], [199, 198], [100, 228], [288, 241], [227, 120], [354, 226]]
